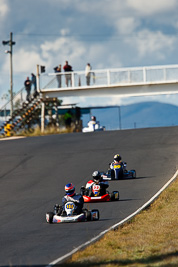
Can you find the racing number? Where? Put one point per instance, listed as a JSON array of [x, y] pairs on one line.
[[117, 166], [96, 187], [70, 206]]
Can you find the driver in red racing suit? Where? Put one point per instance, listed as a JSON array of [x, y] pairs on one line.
[[97, 179]]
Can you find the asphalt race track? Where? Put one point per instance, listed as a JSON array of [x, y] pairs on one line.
[[34, 171]]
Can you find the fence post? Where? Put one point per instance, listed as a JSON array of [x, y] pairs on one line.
[[73, 83], [144, 75], [42, 117], [109, 77]]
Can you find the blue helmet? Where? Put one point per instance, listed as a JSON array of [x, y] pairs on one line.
[[70, 189]]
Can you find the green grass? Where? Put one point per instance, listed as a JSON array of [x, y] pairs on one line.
[[150, 239]]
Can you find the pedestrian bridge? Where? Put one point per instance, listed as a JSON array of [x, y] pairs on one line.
[[123, 82]]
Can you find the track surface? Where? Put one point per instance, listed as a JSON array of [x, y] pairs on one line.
[[34, 171]]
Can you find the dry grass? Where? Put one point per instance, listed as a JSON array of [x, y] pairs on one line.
[[47, 131], [150, 239], [37, 132]]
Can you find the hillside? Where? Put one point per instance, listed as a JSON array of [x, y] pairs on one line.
[[140, 115]]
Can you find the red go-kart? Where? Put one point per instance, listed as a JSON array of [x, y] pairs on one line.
[[94, 193]]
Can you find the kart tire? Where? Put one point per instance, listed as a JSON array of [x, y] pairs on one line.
[[87, 215], [133, 174], [98, 215], [51, 214], [82, 191], [113, 196]]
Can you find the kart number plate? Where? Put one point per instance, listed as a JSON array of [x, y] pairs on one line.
[[96, 187], [117, 166], [70, 206]]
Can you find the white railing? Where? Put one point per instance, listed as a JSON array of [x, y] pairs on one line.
[[18, 99], [109, 77]]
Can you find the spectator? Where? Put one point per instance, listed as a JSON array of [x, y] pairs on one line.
[[88, 73], [27, 84], [67, 68], [58, 76], [33, 82], [68, 119]]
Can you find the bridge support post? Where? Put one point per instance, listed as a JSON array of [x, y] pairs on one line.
[[42, 117]]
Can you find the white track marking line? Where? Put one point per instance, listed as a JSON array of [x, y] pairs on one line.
[[11, 138]]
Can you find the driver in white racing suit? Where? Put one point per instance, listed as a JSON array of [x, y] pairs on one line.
[[92, 123]]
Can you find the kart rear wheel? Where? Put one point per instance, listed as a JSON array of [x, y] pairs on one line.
[[133, 174], [82, 190], [95, 215], [87, 214], [114, 196], [50, 214]]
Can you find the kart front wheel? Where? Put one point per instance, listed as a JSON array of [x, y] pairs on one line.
[[49, 217]]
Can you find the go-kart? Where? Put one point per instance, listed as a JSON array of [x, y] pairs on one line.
[[118, 172], [93, 193], [68, 214], [93, 127]]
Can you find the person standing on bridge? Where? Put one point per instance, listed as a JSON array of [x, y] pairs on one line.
[[27, 84], [67, 68], [88, 73], [58, 76], [33, 82]]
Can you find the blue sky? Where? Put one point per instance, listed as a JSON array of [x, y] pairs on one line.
[[106, 33]]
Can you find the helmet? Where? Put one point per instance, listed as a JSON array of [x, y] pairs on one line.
[[96, 176], [70, 189], [117, 157]]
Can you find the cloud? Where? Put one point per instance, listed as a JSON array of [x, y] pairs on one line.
[[105, 33], [152, 43], [145, 7], [127, 25], [3, 9]]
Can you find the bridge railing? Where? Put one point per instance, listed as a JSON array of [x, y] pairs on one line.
[[106, 77], [109, 77], [18, 99]]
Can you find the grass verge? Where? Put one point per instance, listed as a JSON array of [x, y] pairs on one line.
[[37, 132], [149, 239]]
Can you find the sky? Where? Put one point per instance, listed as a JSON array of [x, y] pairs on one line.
[[105, 33]]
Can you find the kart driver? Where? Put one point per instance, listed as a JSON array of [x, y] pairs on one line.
[[97, 179], [73, 197], [92, 123], [117, 166]]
